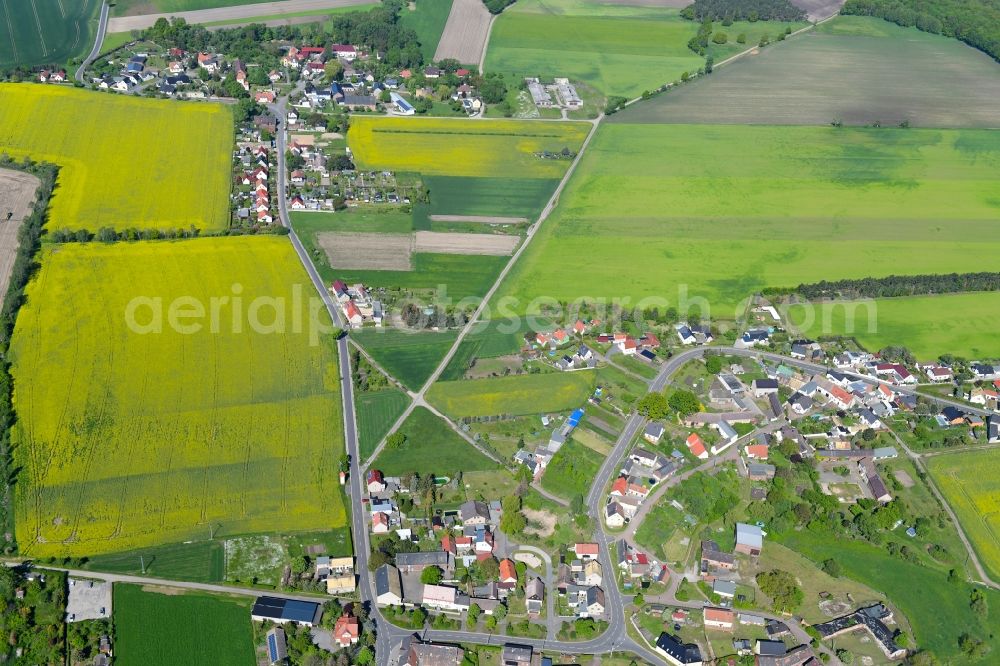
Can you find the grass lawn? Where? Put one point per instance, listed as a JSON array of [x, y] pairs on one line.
[[924, 324], [971, 484], [938, 611], [463, 147], [174, 628], [136, 429], [454, 275], [513, 395], [495, 197], [409, 357], [813, 581], [658, 527], [431, 448], [428, 20], [854, 69], [44, 32], [376, 412], [572, 470], [739, 208], [81, 131], [198, 561], [617, 49]]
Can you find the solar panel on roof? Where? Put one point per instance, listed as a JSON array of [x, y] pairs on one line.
[[272, 647]]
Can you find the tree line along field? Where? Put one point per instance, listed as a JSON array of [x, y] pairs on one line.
[[460, 147], [431, 447], [158, 626], [739, 208], [961, 324], [41, 32], [513, 395], [853, 69], [970, 481], [128, 437], [616, 48], [183, 148]]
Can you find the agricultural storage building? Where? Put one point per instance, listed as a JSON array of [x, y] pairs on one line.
[[281, 611]]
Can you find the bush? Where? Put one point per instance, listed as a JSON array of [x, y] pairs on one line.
[[720, 38], [741, 38]]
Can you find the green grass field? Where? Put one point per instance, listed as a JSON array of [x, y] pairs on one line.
[[617, 49], [514, 395], [658, 526], [971, 484], [46, 32], [460, 275], [131, 7], [409, 357], [501, 197], [735, 209], [572, 470], [463, 147], [431, 447], [961, 324], [486, 340], [139, 434], [87, 133], [428, 20], [198, 561], [376, 413], [938, 611], [155, 628], [854, 69]]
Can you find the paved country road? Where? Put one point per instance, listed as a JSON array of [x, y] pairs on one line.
[[126, 23], [102, 29]]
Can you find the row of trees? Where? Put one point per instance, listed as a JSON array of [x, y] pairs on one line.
[[900, 285], [975, 22], [743, 10]]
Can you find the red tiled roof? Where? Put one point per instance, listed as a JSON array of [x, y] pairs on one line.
[[507, 570], [586, 549], [620, 485], [757, 451]]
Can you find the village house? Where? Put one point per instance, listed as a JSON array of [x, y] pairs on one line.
[[346, 630], [718, 618], [749, 539], [388, 586]]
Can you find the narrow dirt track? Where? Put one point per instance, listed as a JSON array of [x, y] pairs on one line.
[[126, 23]]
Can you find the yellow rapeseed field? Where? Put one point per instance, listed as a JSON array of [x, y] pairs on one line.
[[125, 161], [461, 147], [129, 437]]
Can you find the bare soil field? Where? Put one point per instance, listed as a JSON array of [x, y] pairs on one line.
[[361, 251], [852, 69], [479, 219], [436, 242], [17, 192], [817, 10], [540, 523], [466, 32], [234, 14]]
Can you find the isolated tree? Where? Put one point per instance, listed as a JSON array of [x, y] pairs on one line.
[[684, 402], [431, 575]]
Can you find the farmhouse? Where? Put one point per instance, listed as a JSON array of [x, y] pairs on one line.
[[718, 618], [388, 586], [416, 562], [281, 611], [346, 631], [676, 652], [870, 618], [444, 598]]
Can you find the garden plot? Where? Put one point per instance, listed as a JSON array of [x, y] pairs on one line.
[[361, 251], [458, 243]]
